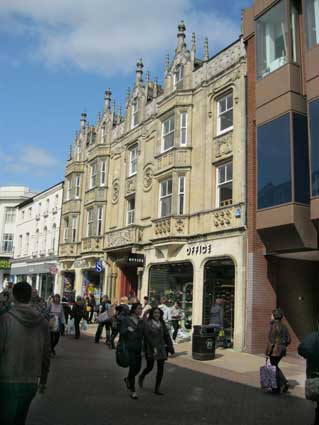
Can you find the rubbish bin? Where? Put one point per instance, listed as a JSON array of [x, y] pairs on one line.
[[203, 343]]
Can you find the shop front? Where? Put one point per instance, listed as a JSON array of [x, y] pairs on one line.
[[4, 272], [198, 272]]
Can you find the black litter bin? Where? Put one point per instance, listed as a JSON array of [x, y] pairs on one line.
[[203, 344]]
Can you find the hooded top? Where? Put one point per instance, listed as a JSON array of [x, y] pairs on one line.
[[24, 345]]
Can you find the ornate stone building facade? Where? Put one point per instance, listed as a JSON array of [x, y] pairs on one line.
[[154, 201]]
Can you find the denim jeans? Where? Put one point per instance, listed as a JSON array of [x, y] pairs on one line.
[[16, 400]]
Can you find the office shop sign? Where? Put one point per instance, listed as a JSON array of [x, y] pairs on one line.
[[200, 249]]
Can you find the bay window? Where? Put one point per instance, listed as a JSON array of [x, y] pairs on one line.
[[103, 173], [90, 222], [224, 185], [65, 230], [272, 40], [183, 129], [225, 113], [77, 186], [135, 112], [168, 129], [93, 176], [131, 210], [73, 228], [312, 22], [178, 74], [99, 221], [181, 195], [133, 161], [166, 187], [7, 242]]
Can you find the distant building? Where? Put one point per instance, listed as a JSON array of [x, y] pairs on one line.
[[10, 197], [36, 239]]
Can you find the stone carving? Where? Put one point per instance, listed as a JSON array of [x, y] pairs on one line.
[[222, 218], [180, 225], [223, 145], [115, 191], [148, 177], [163, 227], [124, 237], [131, 184]]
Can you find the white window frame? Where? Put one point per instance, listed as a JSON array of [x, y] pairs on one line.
[[130, 219], [56, 200], [181, 195], [103, 133], [77, 187], [93, 175], [99, 227], [7, 241], [27, 243], [220, 114], [10, 215], [66, 223], [165, 183], [89, 223], [220, 184], [183, 129], [171, 123], [133, 160], [135, 113], [68, 189], [53, 238], [73, 228], [178, 74], [103, 173]]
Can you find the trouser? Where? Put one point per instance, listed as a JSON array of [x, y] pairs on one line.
[[55, 336], [175, 324], [91, 315], [77, 327], [115, 332], [160, 371], [134, 368], [280, 377], [100, 330], [16, 400]]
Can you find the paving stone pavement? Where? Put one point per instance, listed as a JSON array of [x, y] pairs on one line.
[[86, 388]]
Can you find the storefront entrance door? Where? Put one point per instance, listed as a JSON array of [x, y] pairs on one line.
[[129, 282]]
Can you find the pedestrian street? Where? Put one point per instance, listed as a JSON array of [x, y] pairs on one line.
[[86, 387]]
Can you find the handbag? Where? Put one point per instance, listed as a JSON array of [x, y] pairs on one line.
[[103, 317], [122, 355], [268, 376], [84, 325], [312, 389]]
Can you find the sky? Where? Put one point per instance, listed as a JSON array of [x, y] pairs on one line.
[[58, 57]]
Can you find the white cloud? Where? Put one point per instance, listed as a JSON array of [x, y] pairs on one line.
[[31, 159], [108, 36]]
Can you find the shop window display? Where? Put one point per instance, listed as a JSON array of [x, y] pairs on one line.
[[219, 282], [175, 282]]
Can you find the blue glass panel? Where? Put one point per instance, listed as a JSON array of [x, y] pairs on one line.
[[301, 159], [314, 139], [274, 163]]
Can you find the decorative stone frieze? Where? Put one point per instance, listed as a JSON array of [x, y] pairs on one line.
[[115, 190], [130, 185], [223, 145], [127, 236], [148, 177]]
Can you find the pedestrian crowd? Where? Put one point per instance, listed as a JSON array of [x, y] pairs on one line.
[[34, 326]]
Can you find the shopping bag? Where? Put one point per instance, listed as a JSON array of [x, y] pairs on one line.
[[103, 317], [312, 389], [122, 355], [84, 325], [70, 329], [268, 374], [54, 323]]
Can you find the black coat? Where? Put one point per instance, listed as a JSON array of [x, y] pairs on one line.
[[78, 311], [157, 340], [309, 349], [132, 333]]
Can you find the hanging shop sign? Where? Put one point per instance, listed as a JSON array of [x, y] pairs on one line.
[[199, 249], [5, 264], [98, 266], [137, 259]]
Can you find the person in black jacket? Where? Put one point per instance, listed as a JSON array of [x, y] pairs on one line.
[[78, 312], [132, 333], [104, 307], [157, 343], [309, 349]]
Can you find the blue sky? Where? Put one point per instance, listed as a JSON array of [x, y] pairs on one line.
[[58, 57]]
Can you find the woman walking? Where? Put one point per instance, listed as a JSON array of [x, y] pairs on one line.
[[78, 312], [176, 315], [157, 343], [57, 321], [132, 333], [278, 340]]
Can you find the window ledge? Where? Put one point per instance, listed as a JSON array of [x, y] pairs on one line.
[[222, 133]]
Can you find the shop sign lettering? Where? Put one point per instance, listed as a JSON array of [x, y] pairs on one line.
[[199, 249]]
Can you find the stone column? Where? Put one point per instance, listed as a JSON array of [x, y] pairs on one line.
[[59, 283], [198, 290], [78, 282]]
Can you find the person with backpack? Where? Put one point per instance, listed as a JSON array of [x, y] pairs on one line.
[[104, 320], [278, 340], [131, 333]]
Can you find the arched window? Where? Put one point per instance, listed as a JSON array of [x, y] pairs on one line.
[[53, 238], [178, 74]]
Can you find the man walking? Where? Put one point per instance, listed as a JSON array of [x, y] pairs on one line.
[[24, 356]]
